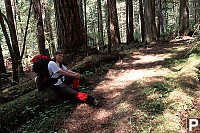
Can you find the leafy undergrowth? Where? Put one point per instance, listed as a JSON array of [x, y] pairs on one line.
[[47, 120]]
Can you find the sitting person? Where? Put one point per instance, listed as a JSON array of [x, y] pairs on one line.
[[65, 76]]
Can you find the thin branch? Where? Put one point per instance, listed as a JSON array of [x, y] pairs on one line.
[[25, 34], [2, 18]]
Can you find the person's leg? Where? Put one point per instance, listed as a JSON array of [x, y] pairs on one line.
[[72, 82], [67, 90], [68, 80]]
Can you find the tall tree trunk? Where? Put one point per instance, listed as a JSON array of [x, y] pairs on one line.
[[20, 29], [11, 26], [195, 11], [13, 35], [100, 22], [70, 30], [48, 28], [131, 30], [86, 29], [14, 9], [108, 13], [153, 18], [2, 65], [127, 22], [184, 17], [10, 48], [40, 27], [114, 26], [142, 20], [162, 29], [149, 26], [82, 11], [198, 3], [26, 31], [159, 17], [80, 2]]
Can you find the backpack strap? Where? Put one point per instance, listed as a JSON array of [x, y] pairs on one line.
[[59, 77]]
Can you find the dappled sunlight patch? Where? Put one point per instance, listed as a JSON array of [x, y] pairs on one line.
[[168, 122], [153, 96], [124, 125], [183, 39], [123, 107], [191, 64], [151, 58], [101, 115], [114, 95], [179, 97]]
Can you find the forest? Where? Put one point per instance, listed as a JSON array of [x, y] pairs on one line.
[[139, 58]]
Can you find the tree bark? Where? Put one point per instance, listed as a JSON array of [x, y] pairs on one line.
[[184, 17], [48, 28], [108, 26], [2, 65], [40, 27], [26, 30], [127, 22], [149, 25], [10, 48], [80, 2], [194, 4], [70, 30], [198, 3], [11, 26], [14, 10], [153, 18], [20, 30], [86, 29], [14, 40], [159, 17], [131, 29], [114, 25], [100, 22]]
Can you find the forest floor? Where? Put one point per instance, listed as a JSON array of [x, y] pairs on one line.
[[152, 89]]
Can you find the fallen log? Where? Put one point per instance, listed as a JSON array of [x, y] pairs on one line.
[[16, 91], [16, 112]]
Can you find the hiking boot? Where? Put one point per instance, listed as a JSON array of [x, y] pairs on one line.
[[92, 101]]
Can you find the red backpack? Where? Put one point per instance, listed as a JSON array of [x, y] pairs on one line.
[[40, 67]]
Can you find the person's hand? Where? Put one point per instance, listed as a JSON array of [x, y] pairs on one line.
[[77, 76]]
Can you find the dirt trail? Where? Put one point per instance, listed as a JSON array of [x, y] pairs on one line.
[[115, 115]]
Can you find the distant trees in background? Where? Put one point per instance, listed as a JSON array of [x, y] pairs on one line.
[[2, 65]]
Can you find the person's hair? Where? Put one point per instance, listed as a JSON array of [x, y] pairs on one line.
[[59, 52], [56, 53]]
